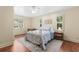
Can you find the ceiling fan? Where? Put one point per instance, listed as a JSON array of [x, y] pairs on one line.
[[35, 9]]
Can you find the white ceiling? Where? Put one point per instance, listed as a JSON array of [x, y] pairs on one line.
[[27, 10]]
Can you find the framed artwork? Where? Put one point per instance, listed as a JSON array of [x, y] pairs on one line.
[[48, 21]]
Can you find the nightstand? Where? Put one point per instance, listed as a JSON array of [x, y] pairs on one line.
[[58, 35]]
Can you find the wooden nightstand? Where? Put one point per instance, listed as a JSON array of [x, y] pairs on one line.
[[58, 36]]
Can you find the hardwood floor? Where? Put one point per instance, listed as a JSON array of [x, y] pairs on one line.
[[18, 47], [70, 46], [6, 49]]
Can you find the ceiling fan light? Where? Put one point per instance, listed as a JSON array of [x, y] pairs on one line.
[[33, 11]]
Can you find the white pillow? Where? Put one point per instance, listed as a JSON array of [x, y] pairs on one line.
[[45, 28]]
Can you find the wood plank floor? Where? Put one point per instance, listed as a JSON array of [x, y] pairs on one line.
[[70, 46], [18, 47]]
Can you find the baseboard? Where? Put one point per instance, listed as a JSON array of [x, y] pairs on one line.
[[20, 35]]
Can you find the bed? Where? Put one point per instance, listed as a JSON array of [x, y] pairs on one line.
[[40, 36]]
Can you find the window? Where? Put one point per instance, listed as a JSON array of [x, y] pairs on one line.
[[60, 22], [59, 25], [18, 24]]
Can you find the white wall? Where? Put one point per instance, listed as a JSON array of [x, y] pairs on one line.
[[72, 25], [35, 22], [6, 26]]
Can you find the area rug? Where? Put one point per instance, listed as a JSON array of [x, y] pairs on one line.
[[53, 46]]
